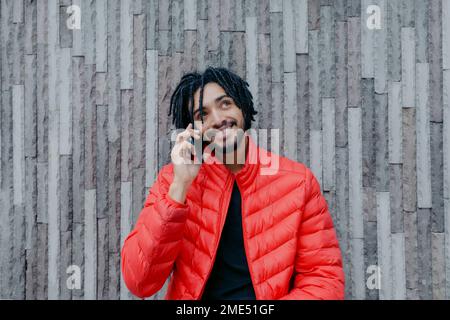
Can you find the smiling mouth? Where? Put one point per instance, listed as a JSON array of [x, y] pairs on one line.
[[228, 126]]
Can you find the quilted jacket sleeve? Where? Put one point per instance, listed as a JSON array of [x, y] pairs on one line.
[[318, 267], [149, 251]]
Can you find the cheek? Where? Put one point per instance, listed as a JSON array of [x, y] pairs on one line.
[[239, 116]]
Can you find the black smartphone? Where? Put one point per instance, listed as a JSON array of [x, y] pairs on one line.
[[198, 151]]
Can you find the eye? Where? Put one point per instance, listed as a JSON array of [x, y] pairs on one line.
[[226, 103]]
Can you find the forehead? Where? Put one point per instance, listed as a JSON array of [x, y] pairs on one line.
[[210, 92]]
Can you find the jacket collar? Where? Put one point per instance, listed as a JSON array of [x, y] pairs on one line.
[[244, 177]]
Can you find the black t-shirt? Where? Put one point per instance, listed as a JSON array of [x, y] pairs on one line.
[[230, 277]]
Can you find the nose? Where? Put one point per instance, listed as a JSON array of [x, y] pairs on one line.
[[217, 120]]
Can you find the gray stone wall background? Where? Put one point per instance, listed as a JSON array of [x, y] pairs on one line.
[[84, 128]]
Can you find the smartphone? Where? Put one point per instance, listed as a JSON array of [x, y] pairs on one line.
[[204, 144]]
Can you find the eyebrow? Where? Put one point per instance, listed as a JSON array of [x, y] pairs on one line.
[[215, 102]]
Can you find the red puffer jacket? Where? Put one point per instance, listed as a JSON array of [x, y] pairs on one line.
[[290, 243]]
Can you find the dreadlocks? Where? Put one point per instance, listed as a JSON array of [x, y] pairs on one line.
[[182, 100]]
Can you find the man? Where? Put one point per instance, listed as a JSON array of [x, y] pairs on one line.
[[223, 228]]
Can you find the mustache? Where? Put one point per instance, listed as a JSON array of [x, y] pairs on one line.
[[226, 124]]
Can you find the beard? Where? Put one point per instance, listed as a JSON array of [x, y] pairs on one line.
[[226, 149]]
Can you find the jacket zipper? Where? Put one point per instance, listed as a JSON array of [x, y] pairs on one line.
[[220, 235], [245, 245]]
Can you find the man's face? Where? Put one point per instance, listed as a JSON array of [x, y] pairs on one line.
[[222, 118]]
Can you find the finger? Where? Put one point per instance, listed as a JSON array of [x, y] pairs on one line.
[[186, 150], [186, 134]]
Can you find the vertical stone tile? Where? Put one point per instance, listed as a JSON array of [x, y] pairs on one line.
[[65, 34], [126, 45], [78, 254], [90, 151], [408, 13], [263, 15], [177, 25], [30, 27], [102, 259], [342, 210], [354, 62], [353, 8], [328, 143], [151, 9], [434, 49], [126, 215], [421, 29], [380, 54], [190, 14], [367, 43], [437, 173], [64, 102], [18, 143], [202, 45], [264, 92], [447, 245], [102, 163], [276, 6], [340, 10], [303, 110], [423, 157], [275, 114], [424, 253], [355, 172], [65, 262], [301, 26], [226, 15], [89, 14], [368, 131], [316, 161], [251, 60], [371, 257], [202, 10], [90, 245], [395, 122], [357, 260], [409, 176], [54, 178], [30, 111], [126, 135], [396, 198], [78, 141], [78, 35], [138, 108], [165, 76], [114, 276], [384, 245], [438, 265], [42, 261], [327, 53], [237, 53], [341, 43], [445, 34], [394, 48], [398, 266], [276, 44], [289, 37], [151, 119], [290, 116], [381, 139], [408, 67], [313, 15], [101, 35], [213, 27], [315, 107]]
